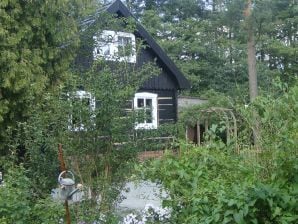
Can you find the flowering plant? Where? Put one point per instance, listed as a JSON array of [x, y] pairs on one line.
[[150, 214]]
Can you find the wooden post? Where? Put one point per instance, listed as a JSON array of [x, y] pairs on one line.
[[60, 158], [198, 132], [63, 168], [207, 127], [186, 133], [228, 130]]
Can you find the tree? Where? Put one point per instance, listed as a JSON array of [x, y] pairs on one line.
[[210, 46], [276, 25], [204, 43], [37, 43], [252, 70]]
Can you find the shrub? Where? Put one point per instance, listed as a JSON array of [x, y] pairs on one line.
[[214, 186], [18, 204]]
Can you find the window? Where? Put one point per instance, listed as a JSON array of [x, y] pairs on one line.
[[115, 46], [124, 46], [83, 106], [146, 106]]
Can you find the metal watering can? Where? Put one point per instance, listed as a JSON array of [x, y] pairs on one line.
[[67, 185]]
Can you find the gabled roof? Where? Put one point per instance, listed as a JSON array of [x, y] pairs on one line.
[[117, 7]]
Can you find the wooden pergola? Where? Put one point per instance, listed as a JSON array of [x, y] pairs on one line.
[[223, 113]]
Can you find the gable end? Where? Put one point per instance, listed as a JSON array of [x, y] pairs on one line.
[[117, 7]]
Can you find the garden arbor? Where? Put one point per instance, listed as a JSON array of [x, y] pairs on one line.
[[208, 120]]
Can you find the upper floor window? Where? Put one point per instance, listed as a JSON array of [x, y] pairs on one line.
[[115, 46], [146, 106], [82, 114]]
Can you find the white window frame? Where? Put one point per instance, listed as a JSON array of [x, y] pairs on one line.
[[109, 40], [144, 96], [79, 95]]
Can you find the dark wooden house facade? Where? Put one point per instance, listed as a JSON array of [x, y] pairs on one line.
[[160, 92]]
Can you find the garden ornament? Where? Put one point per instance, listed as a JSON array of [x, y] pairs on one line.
[[67, 185]]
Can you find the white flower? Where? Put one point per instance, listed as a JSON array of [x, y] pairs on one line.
[[150, 213]]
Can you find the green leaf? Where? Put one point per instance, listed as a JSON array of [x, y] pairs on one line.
[[238, 217]]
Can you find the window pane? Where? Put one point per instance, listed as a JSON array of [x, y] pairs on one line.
[[123, 41], [149, 103], [106, 50], [140, 103], [124, 46], [81, 112], [148, 116], [109, 39], [76, 113], [86, 102], [103, 45], [76, 119]]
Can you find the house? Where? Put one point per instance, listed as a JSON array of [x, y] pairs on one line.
[[158, 93]]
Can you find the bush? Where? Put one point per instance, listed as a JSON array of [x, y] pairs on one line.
[[277, 117], [214, 186], [18, 204]]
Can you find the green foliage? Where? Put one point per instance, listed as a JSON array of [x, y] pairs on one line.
[[19, 205], [278, 118], [194, 179], [209, 45], [157, 139], [101, 151], [212, 186], [269, 200], [38, 41], [15, 198], [108, 141], [213, 99], [39, 137]]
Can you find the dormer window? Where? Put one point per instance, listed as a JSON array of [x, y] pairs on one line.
[[82, 114], [115, 46]]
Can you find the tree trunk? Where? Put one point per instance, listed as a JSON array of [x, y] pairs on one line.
[[251, 61], [252, 71], [251, 54]]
